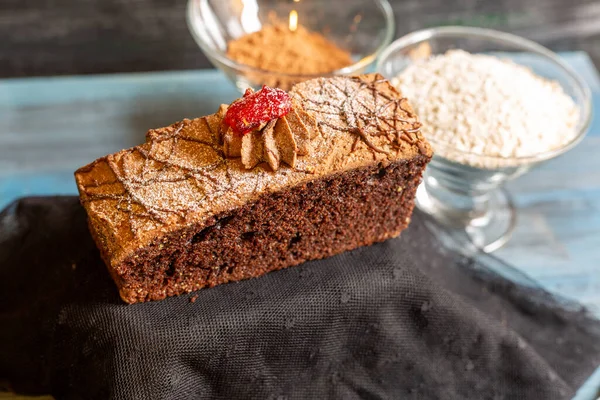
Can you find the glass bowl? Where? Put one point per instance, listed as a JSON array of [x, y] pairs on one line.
[[468, 197], [362, 27]]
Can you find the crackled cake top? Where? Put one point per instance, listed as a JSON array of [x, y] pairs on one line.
[[185, 173]]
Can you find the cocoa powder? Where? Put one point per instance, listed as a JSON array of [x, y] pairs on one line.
[[276, 48]]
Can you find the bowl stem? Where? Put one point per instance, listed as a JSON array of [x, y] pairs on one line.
[[468, 202]]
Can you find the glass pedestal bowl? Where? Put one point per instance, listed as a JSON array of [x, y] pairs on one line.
[[466, 197], [362, 27]]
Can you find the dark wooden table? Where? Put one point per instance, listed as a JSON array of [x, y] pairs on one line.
[[54, 37]]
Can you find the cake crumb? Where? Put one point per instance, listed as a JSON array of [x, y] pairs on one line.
[[421, 52], [193, 298]]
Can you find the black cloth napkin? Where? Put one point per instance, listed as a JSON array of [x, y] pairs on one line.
[[404, 319]]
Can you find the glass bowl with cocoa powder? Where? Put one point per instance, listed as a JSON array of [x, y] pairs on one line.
[[281, 43]]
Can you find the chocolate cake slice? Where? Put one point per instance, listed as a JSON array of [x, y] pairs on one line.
[[202, 203]]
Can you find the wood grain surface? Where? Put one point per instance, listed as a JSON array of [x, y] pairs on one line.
[[54, 37]]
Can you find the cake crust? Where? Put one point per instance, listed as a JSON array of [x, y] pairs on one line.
[[180, 180]]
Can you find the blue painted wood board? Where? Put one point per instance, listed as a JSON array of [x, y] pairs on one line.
[[51, 126]]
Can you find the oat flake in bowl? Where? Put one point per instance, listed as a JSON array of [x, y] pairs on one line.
[[481, 104]]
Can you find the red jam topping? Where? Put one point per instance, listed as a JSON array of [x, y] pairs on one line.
[[254, 109]]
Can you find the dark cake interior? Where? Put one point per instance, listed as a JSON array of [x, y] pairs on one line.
[[310, 221]]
